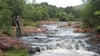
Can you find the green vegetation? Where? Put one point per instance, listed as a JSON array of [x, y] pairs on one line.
[[31, 23], [9, 9], [32, 14], [97, 28], [91, 15], [44, 11], [17, 52]]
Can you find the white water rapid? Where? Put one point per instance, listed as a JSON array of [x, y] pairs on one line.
[[63, 42]]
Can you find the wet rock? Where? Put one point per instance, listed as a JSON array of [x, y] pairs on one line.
[[98, 31], [95, 42], [57, 44], [50, 36], [95, 48], [44, 48], [88, 30], [34, 50], [56, 30], [36, 38], [95, 39], [89, 35], [49, 48]]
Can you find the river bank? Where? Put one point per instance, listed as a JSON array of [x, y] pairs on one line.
[[9, 42]]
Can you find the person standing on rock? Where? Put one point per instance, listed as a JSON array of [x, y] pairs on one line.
[[18, 29]]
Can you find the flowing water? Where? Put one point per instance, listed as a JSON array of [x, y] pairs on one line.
[[60, 41]]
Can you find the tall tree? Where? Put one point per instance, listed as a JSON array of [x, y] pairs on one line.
[[89, 17], [9, 9], [17, 6]]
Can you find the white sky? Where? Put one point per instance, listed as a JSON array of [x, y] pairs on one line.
[[61, 3]]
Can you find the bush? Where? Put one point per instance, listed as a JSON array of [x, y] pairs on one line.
[[97, 27], [7, 29], [5, 21]]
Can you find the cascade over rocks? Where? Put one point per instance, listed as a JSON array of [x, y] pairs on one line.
[[34, 50], [61, 42]]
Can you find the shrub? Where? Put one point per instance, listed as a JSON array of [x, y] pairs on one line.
[[97, 28], [5, 21], [7, 29]]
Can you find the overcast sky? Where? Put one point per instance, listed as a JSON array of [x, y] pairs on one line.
[[61, 3]]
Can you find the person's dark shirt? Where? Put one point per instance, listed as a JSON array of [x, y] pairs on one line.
[[17, 22]]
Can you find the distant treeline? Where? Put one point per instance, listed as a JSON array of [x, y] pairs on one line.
[[44, 11]]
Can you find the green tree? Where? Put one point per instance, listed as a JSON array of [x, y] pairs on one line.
[[28, 11], [73, 12], [5, 16], [52, 11], [8, 10], [17, 6], [90, 19]]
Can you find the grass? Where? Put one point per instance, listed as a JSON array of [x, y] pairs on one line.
[[31, 23], [17, 52]]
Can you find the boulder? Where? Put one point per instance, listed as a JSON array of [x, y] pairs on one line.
[[96, 39], [34, 49], [98, 31]]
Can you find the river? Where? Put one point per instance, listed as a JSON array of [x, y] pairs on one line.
[[60, 41]]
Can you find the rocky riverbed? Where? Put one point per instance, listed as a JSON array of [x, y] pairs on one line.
[[62, 40], [47, 33]]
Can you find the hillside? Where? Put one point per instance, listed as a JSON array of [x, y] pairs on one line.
[[79, 7]]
